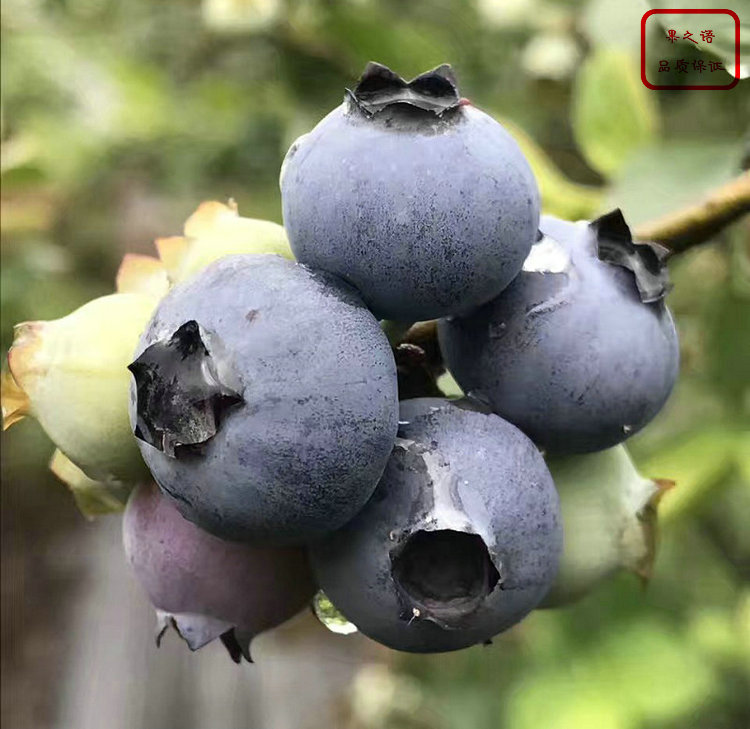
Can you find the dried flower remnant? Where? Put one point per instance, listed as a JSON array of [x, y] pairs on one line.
[[180, 396], [647, 261]]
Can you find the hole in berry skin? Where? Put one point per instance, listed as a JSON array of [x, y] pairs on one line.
[[445, 573]]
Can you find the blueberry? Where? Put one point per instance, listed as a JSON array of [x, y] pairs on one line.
[[580, 351], [207, 588], [264, 400], [609, 519], [423, 202], [460, 540]]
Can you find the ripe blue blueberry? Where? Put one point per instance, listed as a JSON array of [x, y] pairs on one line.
[[207, 588], [421, 201], [580, 351], [264, 400], [460, 540]]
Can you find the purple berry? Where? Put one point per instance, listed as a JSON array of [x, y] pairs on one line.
[[580, 351], [265, 400], [207, 588], [421, 201], [460, 540]]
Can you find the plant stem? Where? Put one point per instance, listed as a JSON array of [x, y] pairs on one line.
[[395, 330], [696, 224]]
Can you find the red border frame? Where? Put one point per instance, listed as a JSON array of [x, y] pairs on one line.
[[689, 11]]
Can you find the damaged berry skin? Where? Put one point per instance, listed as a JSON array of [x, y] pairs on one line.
[[427, 212], [460, 540], [296, 418], [578, 352], [205, 587]]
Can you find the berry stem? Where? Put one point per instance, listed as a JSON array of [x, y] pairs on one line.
[[395, 330], [694, 225]]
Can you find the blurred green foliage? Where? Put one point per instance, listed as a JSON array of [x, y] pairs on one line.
[[119, 116]]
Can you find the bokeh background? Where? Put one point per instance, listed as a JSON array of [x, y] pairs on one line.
[[120, 116]]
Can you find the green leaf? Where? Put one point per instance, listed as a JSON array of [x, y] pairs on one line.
[[613, 113], [662, 178], [613, 23], [362, 32]]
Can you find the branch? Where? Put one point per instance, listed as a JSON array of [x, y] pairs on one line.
[[418, 353], [697, 224]]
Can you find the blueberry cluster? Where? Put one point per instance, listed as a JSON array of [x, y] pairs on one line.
[[265, 393]]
